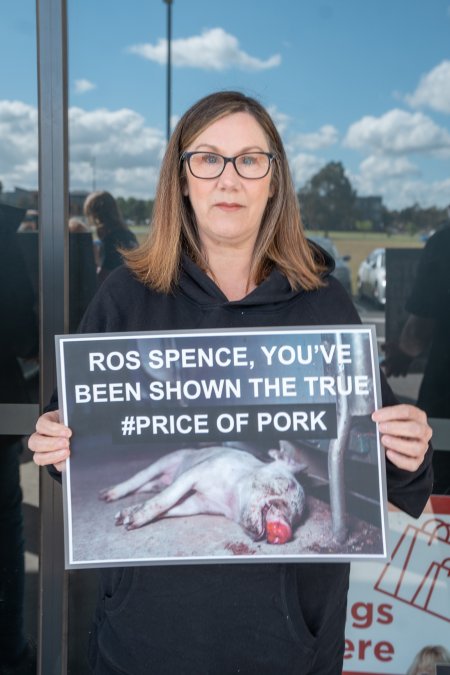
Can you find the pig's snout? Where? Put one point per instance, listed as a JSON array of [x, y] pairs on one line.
[[278, 532]]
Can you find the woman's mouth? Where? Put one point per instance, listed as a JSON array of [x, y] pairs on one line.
[[228, 206]]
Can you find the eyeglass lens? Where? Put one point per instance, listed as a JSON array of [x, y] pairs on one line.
[[211, 165]]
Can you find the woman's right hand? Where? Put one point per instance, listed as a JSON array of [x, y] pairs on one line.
[[50, 441]]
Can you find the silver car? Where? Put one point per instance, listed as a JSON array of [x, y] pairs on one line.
[[342, 270], [371, 280]]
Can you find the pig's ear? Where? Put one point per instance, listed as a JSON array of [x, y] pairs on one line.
[[287, 454], [287, 449], [297, 467], [281, 455]]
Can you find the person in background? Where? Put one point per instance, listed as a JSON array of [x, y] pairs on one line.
[[427, 328], [101, 210], [426, 660], [19, 339], [227, 250]]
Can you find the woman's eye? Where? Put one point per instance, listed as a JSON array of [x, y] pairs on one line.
[[248, 160], [210, 159]]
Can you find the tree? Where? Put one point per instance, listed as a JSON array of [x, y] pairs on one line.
[[327, 200], [137, 210], [415, 219]]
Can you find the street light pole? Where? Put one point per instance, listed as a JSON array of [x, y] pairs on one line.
[[169, 65]]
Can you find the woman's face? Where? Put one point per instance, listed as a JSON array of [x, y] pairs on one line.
[[229, 209]]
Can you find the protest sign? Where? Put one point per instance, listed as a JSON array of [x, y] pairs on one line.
[[222, 446], [398, 608]]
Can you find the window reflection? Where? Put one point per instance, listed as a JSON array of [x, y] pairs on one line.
[[19, 340], [117, 139], [111, 232]]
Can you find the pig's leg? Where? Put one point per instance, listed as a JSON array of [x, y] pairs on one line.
[[157, 484], [193, 506], [163, 470], [141, 514]]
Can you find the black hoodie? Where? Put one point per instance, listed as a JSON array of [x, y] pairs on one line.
[[259, 619]]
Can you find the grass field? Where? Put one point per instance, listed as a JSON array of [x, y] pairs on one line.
[[355, 244]]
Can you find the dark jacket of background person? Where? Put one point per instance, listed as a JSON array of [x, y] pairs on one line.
[[110, 257], [430, 299], [19, 331], [18, 338], [253, 619]]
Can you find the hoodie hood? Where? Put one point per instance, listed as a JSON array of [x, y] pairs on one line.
[[200, 288]]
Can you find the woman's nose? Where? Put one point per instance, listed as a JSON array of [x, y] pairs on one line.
[[229, 176]]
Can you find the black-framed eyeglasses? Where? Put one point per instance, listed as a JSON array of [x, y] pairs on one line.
[[206, 165]]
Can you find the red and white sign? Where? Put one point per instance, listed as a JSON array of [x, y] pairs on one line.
[[396, 609]]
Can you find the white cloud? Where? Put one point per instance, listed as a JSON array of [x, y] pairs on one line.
[[82, 86], [376, 166], [399, 132], [280, 119], [399, 182], [433, 90], [398, 194], [128, 155], [383, 175], [303, 167], [214, 49], [18, 145], [327, 135], [127, 151]]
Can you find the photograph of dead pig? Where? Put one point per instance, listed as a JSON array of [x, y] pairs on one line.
[[280, 489]]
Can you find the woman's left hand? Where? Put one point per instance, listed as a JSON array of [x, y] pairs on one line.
[[405, 434]]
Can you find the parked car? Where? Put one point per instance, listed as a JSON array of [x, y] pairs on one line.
[[371, 280], [342, 270]]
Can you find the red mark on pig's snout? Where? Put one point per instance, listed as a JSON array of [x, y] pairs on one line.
[[278, 532]]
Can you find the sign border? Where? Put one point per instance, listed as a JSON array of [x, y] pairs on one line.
[[71, 563]]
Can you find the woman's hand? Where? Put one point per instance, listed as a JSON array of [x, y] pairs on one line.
[[405, 434], [50, 442]]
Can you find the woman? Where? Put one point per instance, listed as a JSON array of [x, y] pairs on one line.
[[101, 210], [227, 249]]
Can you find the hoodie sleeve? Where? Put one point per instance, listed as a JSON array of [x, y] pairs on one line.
[[408, 490]]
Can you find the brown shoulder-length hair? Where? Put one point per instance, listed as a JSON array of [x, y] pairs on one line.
[[281, 241], [102, 209]]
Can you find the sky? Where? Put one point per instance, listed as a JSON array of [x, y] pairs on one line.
[[365, 83]]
